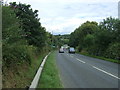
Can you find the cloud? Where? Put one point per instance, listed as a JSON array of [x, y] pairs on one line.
[[73, 15], [64, 16], [64, 1]]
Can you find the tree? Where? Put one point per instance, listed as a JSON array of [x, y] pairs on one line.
[[34, 33], [108, 24], [102, 40], [113, 51], [14, 47], [117, 31], [77, 37]]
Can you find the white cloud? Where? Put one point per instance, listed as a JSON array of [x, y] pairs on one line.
[[64, 1], [63, 16]]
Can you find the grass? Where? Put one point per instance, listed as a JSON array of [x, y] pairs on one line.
[[50, 76], [21, 76], [102, 58]]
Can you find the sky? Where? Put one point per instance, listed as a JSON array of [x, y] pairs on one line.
[[64, 16]]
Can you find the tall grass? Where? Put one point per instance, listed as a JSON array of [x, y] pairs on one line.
[[21, 75]]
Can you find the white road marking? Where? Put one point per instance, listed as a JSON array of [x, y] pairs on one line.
[[106, 72], [97, 68], [80, 60]]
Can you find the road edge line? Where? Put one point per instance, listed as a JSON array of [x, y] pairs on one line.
[[38, 74]]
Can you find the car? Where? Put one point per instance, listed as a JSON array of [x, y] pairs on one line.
[[71, 50], [61, 50]]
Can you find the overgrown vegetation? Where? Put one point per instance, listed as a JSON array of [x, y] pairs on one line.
[[50, 76], [101, 39], [21, 76], [23, 41]]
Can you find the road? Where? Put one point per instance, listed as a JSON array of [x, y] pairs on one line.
[[79, 71]]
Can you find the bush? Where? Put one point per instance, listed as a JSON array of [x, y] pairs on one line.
[[113, 51], [14, 47], [15, 54]]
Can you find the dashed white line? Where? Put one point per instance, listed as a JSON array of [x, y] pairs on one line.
[[77, 59], [98, 68], [80, 60], [106, 72]]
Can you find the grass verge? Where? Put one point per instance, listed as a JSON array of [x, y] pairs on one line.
[[50, 76], [102, 58], [21, 76]]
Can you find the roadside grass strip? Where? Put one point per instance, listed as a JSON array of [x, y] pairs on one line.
[[37, 76], [50, 76]]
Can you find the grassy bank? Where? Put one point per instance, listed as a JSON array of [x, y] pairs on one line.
[[50, 76], [21, 76], [102, 58]]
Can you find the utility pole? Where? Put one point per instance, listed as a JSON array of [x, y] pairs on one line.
[[52, 38], [1, 3], [119, 10]]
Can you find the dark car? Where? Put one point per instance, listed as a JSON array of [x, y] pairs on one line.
[[71, 50], [61, 50]]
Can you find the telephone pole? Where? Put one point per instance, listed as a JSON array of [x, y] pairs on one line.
[[119, 10]]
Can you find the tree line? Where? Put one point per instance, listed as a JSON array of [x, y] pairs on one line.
[[101, 39], [22, 34]]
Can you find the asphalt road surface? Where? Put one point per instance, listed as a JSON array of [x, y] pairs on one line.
[[79, 71]]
